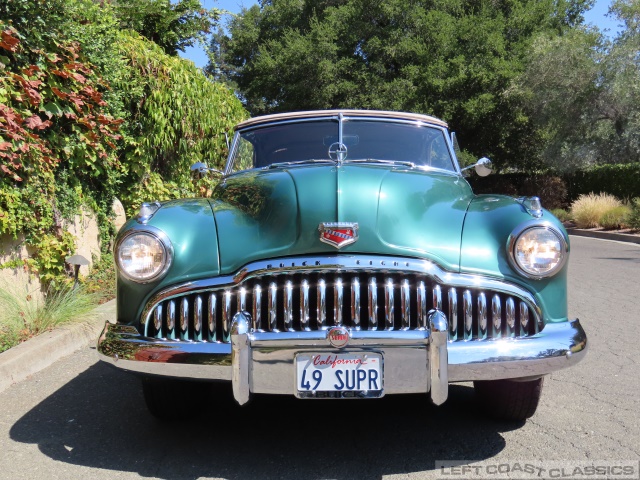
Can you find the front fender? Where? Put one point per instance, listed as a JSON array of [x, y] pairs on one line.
[[489, 221], [190, 226]]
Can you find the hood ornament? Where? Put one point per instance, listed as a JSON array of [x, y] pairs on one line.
[[338, 234]]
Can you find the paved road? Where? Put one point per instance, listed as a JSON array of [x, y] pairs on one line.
[[80, 419]]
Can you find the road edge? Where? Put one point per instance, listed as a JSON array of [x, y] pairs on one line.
[[618, 237], [38, 353]]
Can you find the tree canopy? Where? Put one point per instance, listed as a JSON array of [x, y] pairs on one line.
[[454, 59]]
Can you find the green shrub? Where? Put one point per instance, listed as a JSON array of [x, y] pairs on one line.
[[588, 210], [620, 180], [614, 218], [561, 214], [633, 218]]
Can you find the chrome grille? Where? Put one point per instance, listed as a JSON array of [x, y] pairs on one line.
[[360, 300]]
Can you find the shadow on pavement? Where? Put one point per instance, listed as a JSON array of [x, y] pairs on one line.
[[99, 420]]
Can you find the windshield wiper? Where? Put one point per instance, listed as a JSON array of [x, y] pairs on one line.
[[299, 162], [383, 162]]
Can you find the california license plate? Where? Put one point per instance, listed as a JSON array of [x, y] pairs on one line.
[[338, 375]]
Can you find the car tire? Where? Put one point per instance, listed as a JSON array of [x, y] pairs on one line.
[[508, 399], [172, 399]]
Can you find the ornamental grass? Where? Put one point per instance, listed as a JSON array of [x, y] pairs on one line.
[[589, 210]]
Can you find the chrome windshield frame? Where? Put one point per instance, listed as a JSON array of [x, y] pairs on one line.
[[341, 118]]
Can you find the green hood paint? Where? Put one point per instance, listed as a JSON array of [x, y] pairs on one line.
[[400, 211]]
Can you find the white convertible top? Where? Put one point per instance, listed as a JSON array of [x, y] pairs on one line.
[[347, 113]]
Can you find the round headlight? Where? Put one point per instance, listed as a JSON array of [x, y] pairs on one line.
[[142, 257], [538, 251]]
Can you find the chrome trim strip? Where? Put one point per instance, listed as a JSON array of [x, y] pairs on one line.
[[171, 316], [372, 292], [482, 315], [212, 320], [467, 308], [338, 300], [421, 302], [453, 313], [272, 307], [343, 263], [524, 317], [496, 315], [355, 302], [197, 315], [304, 305], [437, 297], [288, 306], [256, 316], [322, 304], [389, 315], [405, 304]]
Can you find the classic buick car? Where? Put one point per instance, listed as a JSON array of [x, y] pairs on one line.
[[343, 255]]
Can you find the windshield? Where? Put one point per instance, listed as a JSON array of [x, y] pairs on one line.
[[362, 140]]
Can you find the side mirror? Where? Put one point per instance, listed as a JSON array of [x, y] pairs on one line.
[[483, 167], [200, 170]]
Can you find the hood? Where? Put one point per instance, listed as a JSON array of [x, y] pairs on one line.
[[400, 211]]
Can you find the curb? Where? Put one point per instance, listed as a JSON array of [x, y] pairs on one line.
[[619, 237], [28, 358]]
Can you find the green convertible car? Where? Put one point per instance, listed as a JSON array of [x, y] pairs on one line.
[[343, 255]]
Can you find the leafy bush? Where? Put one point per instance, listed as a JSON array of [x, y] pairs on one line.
[[561, 214], [551, 189], [588, 210], [614, 218], [633, 218]]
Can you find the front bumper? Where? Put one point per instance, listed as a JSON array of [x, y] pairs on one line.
[[415, 361]]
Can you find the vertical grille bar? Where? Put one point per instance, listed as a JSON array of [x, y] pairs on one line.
[[372, 293], [288, 306], [171, 316], [421, 305], [437, 297], [197, 317], [524, 318], [496, 315], [242, 300], [389, 310], [355, 302], [212, 320], [511, 317], [257, 308], [157, 320], [226, 314], [405, 304], [482, 315], [453, 313], [338, 299], [322, 304], [272, 306], [304, 305], [184, 319], [467, 308]]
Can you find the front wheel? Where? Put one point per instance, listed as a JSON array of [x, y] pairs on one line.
[[509, 399]]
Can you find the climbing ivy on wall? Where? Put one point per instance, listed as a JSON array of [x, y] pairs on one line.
[[89, 112]]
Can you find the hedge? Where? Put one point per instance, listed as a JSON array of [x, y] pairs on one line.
[[620, 180]]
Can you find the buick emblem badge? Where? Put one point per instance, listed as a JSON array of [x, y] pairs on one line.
[[338, 337], [338, 234]]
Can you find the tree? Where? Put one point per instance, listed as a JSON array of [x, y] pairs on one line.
[[172, 25], [453, 59], [582, 92]]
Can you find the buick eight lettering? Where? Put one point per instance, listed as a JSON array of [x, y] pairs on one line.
[[343, 255]]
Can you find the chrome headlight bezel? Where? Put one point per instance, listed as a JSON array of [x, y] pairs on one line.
[[157, 235], [526, 227]]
